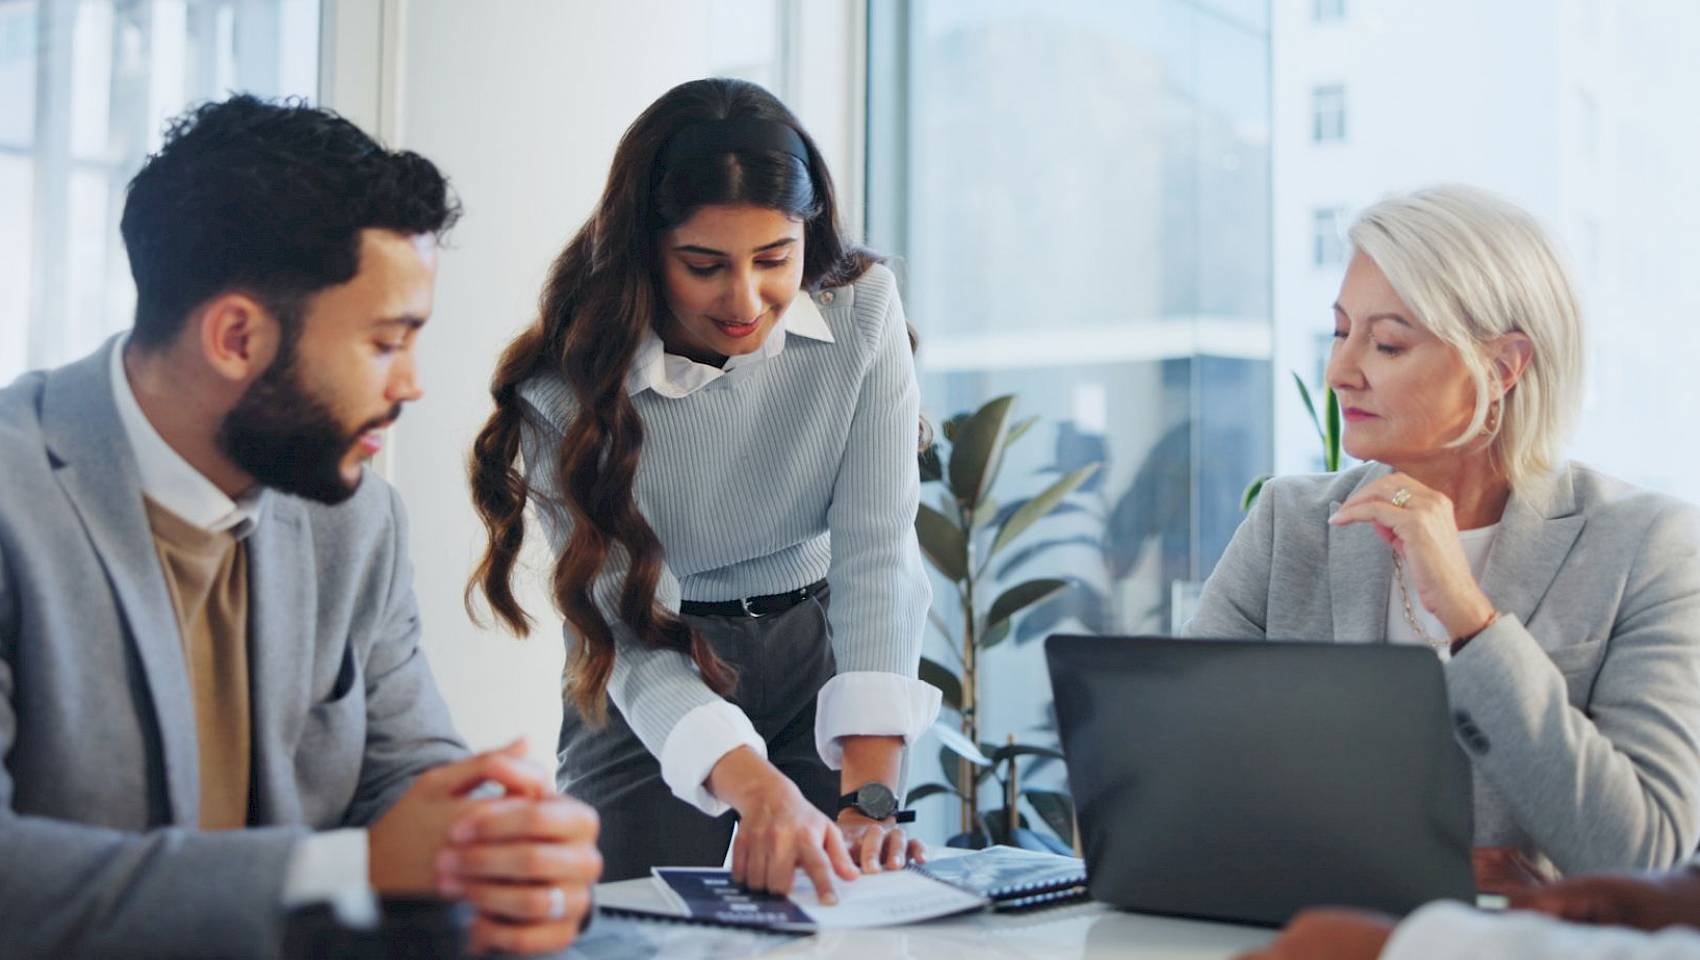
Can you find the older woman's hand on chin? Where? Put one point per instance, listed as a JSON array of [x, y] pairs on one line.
[[1329, 934], [1419, 525]]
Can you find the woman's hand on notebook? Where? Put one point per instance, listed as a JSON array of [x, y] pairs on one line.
[[779, 830], [878, 844]]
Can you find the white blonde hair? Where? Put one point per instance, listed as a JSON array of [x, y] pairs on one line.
[[1474, 267]]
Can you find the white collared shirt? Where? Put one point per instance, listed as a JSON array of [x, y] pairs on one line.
[[167, 478], [325, 863], [675, 376]]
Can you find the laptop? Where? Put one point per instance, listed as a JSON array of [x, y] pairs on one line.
[[1247, 780]]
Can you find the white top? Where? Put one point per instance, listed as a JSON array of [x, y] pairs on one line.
[[1476, 545], [675, 376], [324, 863], [167, 478]]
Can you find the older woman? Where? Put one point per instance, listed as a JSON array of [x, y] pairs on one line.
[[1566, 603]]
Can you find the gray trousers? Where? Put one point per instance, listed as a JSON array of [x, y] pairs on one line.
[[782, 662]]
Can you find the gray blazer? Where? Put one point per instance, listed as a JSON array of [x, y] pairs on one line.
[[99, 851], [1580, 707]]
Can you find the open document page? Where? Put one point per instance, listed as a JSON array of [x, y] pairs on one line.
[[875, 900]]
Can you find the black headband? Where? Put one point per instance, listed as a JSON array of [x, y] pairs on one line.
[[713, 138]]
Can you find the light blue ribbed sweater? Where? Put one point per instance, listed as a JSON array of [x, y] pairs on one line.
[[774, 476]]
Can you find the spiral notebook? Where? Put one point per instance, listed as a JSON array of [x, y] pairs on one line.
[[1012, 878]]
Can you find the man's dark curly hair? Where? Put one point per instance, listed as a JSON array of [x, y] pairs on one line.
[[267, 198]]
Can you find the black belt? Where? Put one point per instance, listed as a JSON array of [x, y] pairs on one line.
[[752, 607]]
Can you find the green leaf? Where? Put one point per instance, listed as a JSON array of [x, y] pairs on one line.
[[1304, 394], [1040, 505], [947, 508], [1252, 489], [1024, 750], [1056, 809], [1018, 431], [954, 424], [940, 676], [1031, 550], [1331, 454], [1020, 597], [931, 467], [951, 765], [942, 542], [998, 825], [926, 790], [994, 636], [985, 513], [955, 742], [978, 453]]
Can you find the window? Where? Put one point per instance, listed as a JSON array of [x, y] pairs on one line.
[[85, 90], [1328, 243], [1568, 113], [1587, 126], [749, 39], [1328, 114], [1328, 11], [1077, 199]]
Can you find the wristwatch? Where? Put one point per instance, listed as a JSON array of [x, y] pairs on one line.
[[875, 801]]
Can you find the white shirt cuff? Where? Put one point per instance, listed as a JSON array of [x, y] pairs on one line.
[[869, 703], [696, 744], [325, 865]]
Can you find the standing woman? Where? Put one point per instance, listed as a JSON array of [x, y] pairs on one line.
[[717, 415]]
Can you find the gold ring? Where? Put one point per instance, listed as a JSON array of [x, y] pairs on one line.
[[1401, 497]]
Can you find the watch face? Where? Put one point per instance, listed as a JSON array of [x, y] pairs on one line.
[[876, 801]]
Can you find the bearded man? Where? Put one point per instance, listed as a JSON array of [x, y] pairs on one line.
[[213, 703]]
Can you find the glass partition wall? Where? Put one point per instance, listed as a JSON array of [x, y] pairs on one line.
[[86, 87], [1077, 198]]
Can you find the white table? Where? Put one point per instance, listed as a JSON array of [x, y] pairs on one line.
[[1074, 932]]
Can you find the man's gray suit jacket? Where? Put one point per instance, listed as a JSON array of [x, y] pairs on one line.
[[1580, 707], [99, 851]]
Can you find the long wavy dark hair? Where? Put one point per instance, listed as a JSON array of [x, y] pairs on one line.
[[603, 294]]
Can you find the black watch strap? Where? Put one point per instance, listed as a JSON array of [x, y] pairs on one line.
[[882, 798]]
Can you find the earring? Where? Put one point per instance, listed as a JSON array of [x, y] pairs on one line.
[[1492, 423]]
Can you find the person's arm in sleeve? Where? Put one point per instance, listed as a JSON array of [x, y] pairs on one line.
[[1452, 931], [71, 890], [408, 727], [880, 591], [1234, 604], [1632, 760], [683, 723]]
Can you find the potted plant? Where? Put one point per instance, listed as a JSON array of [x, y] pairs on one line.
[[960, 538], [1327, 430]]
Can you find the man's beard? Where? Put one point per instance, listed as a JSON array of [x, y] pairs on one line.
[[288, 439]]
